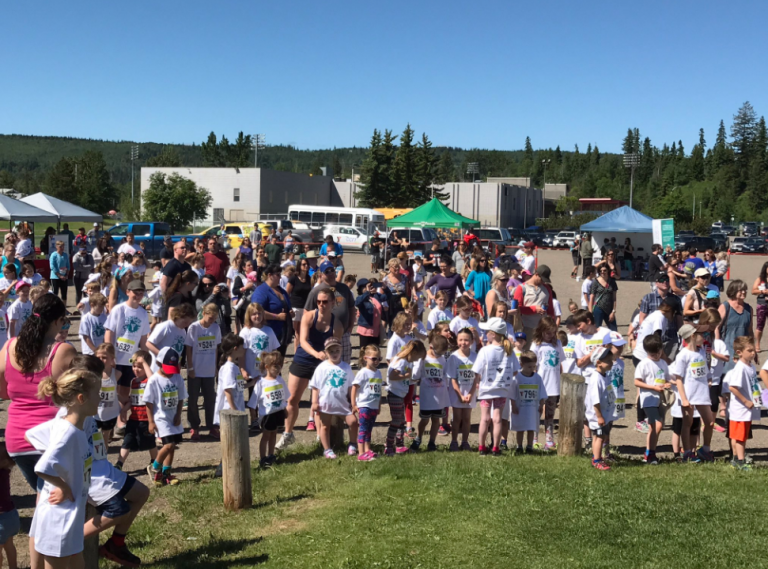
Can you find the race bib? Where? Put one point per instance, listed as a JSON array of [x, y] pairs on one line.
[[87, 473], [610, 395], [126, 345], [137, 397], [660, 379], [274, 395], [698, 369], [528, 393], [170, 399], [240, 384], [466, 375], [433, 371], [374, 386], [107, 396], [99, 446], [593, 342], [620, 406], [570, 353], [206, 343]]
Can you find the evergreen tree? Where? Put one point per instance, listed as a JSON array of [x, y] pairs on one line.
[[225, 152], [446, 171], [628, 144], [371, 189], [558, 156], [210, 152], [60, 181], [404, 172], [168, 158], [528, 149], [425, 162], [744, 131], [702, 141], [338, 172], [241, 151], [6, 180], [387, 162]]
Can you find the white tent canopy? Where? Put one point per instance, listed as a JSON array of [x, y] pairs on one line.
[[60, 210], [16, 210]]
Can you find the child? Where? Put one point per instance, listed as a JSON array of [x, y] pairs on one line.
[[398, 382], [349, 280], [549, 357], [29, 275], [721, 264], [418, 331], [745, 401], [466, 320], [366, 399], [401, 334], [599, 403], [9, 515], [330, 396], [85, 303], [8, 285], [463, 389], [586, 287], [156, 297], [440, 313], [501, 310], [271, 396], [20, 310], [521, 339], [172, 334], [257, 337], [652, 378], [92, 324], [57, 530], [529, 396], [690, 373], [494, 368], [109, 408], [434, 392], [164, 398], [202, 340], [198, 265], [36, 292], [717, 357], [137, 435], [568, 343]]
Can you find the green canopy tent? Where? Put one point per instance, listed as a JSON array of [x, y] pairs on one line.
[[433, 214]]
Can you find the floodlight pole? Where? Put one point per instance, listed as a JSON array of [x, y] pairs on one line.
[[134, 156], [257, 141], [631, 161]]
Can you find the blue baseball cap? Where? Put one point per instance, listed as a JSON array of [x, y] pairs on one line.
[[326, 265], [520, 336], [713, 294]]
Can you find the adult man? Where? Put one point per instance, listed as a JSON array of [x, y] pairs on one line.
[[216, 261], [129, 247], [528, 262], [656, 264], [255, 234], [534, 300], [344, 310], [175, 266], [330, 245], [586, 254], [693, 263], [274, 251], [652, 301], [93, 237], [70, 237], [433, 256], [167, 253]]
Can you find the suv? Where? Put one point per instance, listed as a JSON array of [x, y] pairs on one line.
[[420, 237], [749, 228], [497, 235], [349, 237], [565, 239], [737, 243], [701, 243]]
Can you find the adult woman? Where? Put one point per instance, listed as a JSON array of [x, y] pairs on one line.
[[602, 298], [736, 319], [180, 290], [243, 289], [498, 292], [316, 327], [101, 250], [694, 300], [445, 280], [759, 289], [45, 241], [277, 305], [459, 257], [208, 292], [24, 362], [118, 290], [398, 286], [479, 281], [678, 282], [9, 256], [613, 265], [246, 248], [59, 262], [298, 288], [629, 255]]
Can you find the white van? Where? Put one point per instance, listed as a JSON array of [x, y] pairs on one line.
[[348, 237]]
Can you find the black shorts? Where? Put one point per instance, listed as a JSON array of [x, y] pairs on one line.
[[677, 426], [273, 421], [431, 413], [106, 425], [172, 439], [714, 396], [117, 506], [137, 436], [603, 431], [304, 371], [126, 376]]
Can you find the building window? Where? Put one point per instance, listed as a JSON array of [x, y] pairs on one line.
[[236, 196]]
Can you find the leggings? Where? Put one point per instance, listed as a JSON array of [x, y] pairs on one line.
[[367, 420], [60, 288], [196, 385], [397, 424], [408, 401]]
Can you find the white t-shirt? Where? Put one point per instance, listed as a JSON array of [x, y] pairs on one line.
[[528, 263], [3, 326], [652, 373], [92, 327], [19, 311], [653, 322], [459, 368], [369, 389], [203, 342], [496, 371], [164, 394], [433, 391], [585, 343], [232, 274], [716, 366], [34, 280], [458, 324], [58, 530], [269, 396], [168, 335], [126, 248], [599, 392], [569, 364], [129, 325], [692, 367], [395, 344], [616, 378], [156, 296], [399, 388], [527, 393], [549, 358], [108, 405], [585, 291], [333, 382], [744, 378], [12, 296], [556, 307], [257, 340], [229, 378]]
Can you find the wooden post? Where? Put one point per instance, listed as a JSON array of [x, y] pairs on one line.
[[236, 460], [91, 545], [336, 431], [573, 389]]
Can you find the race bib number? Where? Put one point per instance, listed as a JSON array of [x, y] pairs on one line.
[[593, 343], [107, 396], [610, 395], [274, 395], [126, 345], [433, 371], [87, 473], [99, 446], [698, 369], [374, 387], [206, 343], [528, 393], [570, 353], [137, 397], [240, 384], [466, 375], [620, 406], [170, 399]]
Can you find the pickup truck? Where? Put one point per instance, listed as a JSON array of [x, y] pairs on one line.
[[151, 233]]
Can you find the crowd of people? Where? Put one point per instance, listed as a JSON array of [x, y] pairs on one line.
[[446, 330]]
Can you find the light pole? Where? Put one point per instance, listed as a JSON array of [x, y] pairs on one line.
[[473, 168], [545, 163], [631, 161], [258, 141], [134, 157]]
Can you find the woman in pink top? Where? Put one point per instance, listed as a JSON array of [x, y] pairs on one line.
[[24, 362]]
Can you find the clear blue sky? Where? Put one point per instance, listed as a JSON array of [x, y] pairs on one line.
[[323, 74]]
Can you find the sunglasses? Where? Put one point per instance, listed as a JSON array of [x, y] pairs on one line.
[[322, 301], [373, 359]]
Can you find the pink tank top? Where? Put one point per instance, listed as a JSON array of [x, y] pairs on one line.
[[26, 410]]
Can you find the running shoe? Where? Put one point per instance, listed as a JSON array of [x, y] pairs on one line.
[[503, 444], [401, 449], [351, 450], [443, 431], [415, 445], [495, 451], [194, 434], [642, 427], [311, 425], [389, 451], [119, 554], [431, 447], [285, 441], [600, 465], [705, 455], [538, 446], [550, 445], [454, 447], [329, 454], [264, 462], [465, 446], [366, 457], [719, 428], [691, 457], [482, 450], [411, 433], [215, 433], [447, 428]]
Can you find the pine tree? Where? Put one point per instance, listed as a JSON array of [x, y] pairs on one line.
[[702, 141], [558, 156], [744, 131], [528, 149], [387, 165], [371, 190], [425, 162], [628, 145], [337, 168], [446, 172], [241, 151], [404, 172], [211, 153], [225, 152]]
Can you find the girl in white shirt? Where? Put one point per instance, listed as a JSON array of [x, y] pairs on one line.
[[232, 384], [434, 392], [462, 390], [270, 396], [109, 407], [466, 320], [549, 357], [366, 399], [202, 340], [172, 333], [399, 376]]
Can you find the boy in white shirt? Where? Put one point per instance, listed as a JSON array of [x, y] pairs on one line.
[[651, 379], [92, 325], [745, 402], [599, 404], [528, 397]]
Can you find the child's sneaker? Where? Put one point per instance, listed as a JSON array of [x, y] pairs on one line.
[[465, 446], [550, 446], [454, 447], [411, 433], [215, 433], [389, 451], [719, 428], [170, 480], [194, 434], [272, 459], [264, 462], [691, 457], [352, 450], [431, 447], [329, 454], [528, 450], [447, 427], [482, 450], [151, 471], [401, 449], [503, 444], [642, 427], [119, 554], [415, 444], [416, 399], [311, 425], [538, 446], [366, 457], [705, 455], [600, 465], [285, 441], [255, 428], [495, 451], [443, 431], [610, 457]]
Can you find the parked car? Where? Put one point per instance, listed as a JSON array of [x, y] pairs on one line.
[[717, 225], [549, 238], [497, 235], [737, 243], [753, 245], [301, 232], [701, 243], [536, 237], [151, 233], [721, 241], [420, 237], [234, 233], [729, 229], [565, 239], [349, 237], [517, 235], [749, 229]]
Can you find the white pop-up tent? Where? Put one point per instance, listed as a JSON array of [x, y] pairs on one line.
[[61, 210], [622, 223], [16, 210]]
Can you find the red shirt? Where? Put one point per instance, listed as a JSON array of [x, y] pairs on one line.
[[217, 265], [138, 412]]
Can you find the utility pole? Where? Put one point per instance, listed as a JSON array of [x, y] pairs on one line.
[[545, 163], [631, 161], [258, 141], [134, 157]]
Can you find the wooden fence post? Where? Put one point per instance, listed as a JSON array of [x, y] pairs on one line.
[[573, 389], [91, 545], [336, 431], [236, 460]]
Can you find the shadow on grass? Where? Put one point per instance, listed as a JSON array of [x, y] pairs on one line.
[[209, 556], [282, 500]]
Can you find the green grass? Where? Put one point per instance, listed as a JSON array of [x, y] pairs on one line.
[[460, 510]]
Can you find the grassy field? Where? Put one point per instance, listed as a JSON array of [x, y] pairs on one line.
[[460, 510]]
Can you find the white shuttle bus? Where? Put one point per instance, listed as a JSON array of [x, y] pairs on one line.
[[320, 216]]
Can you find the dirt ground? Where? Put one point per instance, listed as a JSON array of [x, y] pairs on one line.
[[194, 458]]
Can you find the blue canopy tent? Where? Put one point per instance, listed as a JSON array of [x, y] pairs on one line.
[[622, 223]]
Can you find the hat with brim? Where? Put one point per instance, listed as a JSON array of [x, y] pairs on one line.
[[136, 286], [600, 353], [702, 273], [332, 341], [167, 360], [544, 272], [614, 338], [21, 284], [713, 294], [686, 331], [312, 255], [495, 325]]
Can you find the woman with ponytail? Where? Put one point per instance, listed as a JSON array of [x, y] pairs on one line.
[[25, 362]]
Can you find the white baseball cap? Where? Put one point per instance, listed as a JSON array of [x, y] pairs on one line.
[[495, 325], [614, 338]]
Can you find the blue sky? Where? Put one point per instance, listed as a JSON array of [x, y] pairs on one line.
[[324, 74]]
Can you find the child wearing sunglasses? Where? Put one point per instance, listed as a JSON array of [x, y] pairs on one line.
[[366, 398]]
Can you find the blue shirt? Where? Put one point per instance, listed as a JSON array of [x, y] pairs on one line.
[[265, 296], [692, 264], [480, 282], [15, 262], [58, 262], [324, 249]]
